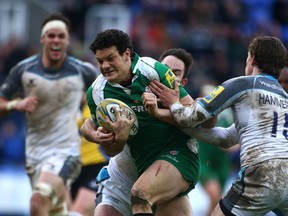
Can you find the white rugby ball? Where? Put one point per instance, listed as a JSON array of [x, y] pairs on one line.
[[105, 108]]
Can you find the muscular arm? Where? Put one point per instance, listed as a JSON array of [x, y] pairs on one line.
[[112, 142], [99, 136]]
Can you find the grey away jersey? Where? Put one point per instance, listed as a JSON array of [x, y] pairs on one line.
[[52, 126], [259, 106]]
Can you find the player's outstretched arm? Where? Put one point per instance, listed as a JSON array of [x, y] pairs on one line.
[[219, 136]]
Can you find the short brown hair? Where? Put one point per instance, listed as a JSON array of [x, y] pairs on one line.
[[181, 54], [269, 53]]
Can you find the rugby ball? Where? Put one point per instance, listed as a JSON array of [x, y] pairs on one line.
[[105, 108]]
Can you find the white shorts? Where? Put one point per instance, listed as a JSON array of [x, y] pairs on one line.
[[258, 190], [113, 193], [65, 166]]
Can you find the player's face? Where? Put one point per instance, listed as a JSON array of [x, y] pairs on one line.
[[249, 66], [177, 66], [55, 42], [283, 78], [113, 66]]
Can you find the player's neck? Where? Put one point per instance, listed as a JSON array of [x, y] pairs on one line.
[[50, 64], [127, 82]]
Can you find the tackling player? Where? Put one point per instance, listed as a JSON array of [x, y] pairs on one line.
[[259, 105]]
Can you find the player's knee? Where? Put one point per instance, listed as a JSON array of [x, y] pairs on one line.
[[41, 192], [38, 203], [139, 197], [60, 210]]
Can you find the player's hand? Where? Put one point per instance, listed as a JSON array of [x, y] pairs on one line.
[[150, 103], [122, 126], [97, 135], [166, 95], [27, 104], [121, 130]]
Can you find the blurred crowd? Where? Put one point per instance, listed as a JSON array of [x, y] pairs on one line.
[[215, 32]]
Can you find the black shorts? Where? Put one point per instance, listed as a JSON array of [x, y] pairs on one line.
[[87, 178]]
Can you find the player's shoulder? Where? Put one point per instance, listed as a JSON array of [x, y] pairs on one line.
[[153, 63], [99, 83], [149, 67], [86, 68], [77, 61], [28, 61], [240, 82]]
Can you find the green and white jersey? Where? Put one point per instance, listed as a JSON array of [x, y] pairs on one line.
[[153, 135]]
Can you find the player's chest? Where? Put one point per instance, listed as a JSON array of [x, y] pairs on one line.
[[34, 84]]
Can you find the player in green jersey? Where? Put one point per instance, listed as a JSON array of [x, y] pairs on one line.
[[166, 166]]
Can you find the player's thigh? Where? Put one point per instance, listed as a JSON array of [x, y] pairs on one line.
[[262, 186], [58, 170], [178, 206], [107, 210], [161, 181], [217, 211], [116, 193], [84, 202]]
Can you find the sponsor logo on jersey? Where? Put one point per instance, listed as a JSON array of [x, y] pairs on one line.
[[213, 94], [170, 77], [31, 83]]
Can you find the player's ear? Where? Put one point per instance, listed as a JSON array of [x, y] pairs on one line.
[[184, 81], [254, 63], [127, 54]]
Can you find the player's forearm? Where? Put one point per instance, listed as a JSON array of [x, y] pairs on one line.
[[113, 148], [88, 129], [7, 106], [166, 116], [189, 116], [219, 136]]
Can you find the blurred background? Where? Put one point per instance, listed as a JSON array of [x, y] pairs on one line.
[[215, 32]]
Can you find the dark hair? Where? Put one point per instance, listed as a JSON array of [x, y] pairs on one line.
[[183, 56], [269, 53], [112, 37], [57, 16]]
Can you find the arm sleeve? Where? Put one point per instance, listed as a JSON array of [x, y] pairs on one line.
[[12, 85], [219, 136], [167, 77], [222, 97], [92, 106]]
